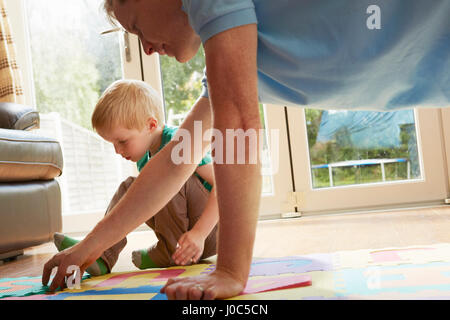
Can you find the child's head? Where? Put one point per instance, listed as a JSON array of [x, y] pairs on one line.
[[127, 103], [128, 114]]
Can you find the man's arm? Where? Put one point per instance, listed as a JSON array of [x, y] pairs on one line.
[[232, 81], [140, 203]]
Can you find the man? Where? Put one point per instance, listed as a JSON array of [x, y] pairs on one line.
[[352, 54]]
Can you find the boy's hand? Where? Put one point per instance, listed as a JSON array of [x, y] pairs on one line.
[[190, 248]]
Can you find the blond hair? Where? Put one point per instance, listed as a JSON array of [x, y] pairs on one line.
[[129, 103]]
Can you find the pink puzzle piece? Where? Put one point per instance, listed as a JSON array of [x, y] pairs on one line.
[[162, 276], [276, 283], [13, 286]]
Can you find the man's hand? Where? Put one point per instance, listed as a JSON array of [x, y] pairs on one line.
[[217, 285], [73, 256], [190, 248]]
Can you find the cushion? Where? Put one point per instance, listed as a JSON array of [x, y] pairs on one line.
[[26, 156], [18, 116]]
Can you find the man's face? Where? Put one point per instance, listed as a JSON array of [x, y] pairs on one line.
[[160, 25]]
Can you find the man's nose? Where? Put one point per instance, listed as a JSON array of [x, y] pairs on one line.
[[148, 48]]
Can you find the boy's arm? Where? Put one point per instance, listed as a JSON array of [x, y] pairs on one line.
[[210, 215], [191, 243]]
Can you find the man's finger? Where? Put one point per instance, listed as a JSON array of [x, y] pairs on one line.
[[58, 280], [210, 293], [82, 271], [168, 283], [48, 267]]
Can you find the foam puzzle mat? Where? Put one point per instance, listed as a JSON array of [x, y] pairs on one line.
[[416, 272]]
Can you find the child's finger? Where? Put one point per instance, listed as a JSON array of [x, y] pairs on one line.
[[179, 252], [197, 256], [185, 256]]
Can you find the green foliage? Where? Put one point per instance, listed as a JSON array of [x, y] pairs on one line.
[[72, 62], [313, 118], [182, 81], [68, 85]]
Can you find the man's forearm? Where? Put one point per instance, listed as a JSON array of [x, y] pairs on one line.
[[142, 200], [156, 184], [239, 191]]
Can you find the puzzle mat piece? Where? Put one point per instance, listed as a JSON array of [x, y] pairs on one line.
[[261, 284], [322, 287], [23, 286], [405, 281], [158, 277], [271, 283], [285, 265], [147, 284], [146, 292], [260, 267], [126, 280], [392, 256]]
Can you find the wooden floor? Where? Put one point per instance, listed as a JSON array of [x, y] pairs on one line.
[[277, 238]]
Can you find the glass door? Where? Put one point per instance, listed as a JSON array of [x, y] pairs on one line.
[[72, 61], [358, 160], [445, 125]]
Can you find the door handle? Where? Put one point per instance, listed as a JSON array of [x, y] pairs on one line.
[[126, 41]]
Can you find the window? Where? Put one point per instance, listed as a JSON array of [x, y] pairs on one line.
[[344, 160], [360, 147], [72, 64]]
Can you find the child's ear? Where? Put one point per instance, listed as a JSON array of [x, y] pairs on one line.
[[152, 123]]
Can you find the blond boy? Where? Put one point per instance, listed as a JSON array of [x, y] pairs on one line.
[[129, 115]]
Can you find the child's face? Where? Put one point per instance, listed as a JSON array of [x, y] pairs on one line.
[[131, 144]]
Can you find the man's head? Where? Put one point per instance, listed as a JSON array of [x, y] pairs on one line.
[[128, 114], [161, 25]]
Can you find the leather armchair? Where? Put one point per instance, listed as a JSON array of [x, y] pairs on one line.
[[30, 197]]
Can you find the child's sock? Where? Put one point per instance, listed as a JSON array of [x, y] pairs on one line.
[[141, 259], [62, 242]]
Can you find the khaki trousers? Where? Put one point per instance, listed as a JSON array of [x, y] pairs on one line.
[[179, 215]]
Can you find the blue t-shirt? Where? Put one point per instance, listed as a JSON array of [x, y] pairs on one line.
[[322, 54], [167, 135]]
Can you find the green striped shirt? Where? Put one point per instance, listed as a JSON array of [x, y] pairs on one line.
[[167, 135]]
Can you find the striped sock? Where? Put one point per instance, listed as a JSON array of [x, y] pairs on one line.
[[62, 242]]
